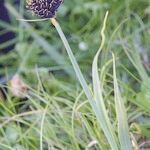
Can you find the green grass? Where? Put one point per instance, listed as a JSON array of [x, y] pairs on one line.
[[92, 97]]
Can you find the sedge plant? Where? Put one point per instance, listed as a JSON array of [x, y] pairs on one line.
[[95, 97]]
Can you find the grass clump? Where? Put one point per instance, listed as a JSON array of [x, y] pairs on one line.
[[110, 110]]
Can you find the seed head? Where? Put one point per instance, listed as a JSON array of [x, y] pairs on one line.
[[44, 8]]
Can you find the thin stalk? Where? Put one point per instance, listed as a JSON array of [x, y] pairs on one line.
[[73, 60]]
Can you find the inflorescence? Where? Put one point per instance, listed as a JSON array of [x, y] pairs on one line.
[[44, 8]]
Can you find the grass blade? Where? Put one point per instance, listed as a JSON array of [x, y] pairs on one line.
[[101, 109], [123, 130]]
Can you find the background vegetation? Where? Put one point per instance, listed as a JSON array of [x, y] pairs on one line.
[[55, 113]]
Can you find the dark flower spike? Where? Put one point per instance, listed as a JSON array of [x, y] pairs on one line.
[[44, 8]]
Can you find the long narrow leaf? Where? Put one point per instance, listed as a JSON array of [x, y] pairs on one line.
[[123, 130], [105, 122]]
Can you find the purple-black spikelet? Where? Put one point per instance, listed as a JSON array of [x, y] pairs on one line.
[[44, 8]]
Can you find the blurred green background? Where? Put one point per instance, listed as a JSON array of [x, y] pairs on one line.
[[40, 58]]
